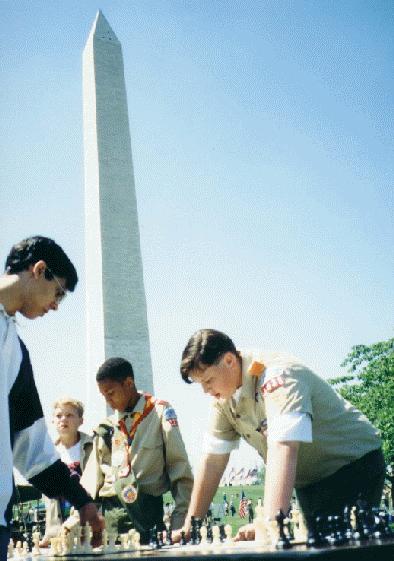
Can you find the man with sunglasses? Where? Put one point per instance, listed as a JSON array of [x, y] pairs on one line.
[[37, 276]]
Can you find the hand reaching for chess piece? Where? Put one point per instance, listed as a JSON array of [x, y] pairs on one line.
[[88, 513], [245, 533]]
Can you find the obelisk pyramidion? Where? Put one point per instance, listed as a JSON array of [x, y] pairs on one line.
[[116, 305]]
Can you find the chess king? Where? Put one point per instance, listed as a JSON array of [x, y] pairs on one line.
[[310, 438], [37, 277], [138, 454]]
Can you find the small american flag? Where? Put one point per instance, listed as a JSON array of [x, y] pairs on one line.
[[243, 506]]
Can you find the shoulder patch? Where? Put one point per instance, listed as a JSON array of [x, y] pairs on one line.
[[274, 379], [170, 416]]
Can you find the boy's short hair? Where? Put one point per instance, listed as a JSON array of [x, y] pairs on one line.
[[204, 348], [78, 405], [115, 368], [31, 250]]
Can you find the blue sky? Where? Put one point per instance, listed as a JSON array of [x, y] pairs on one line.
[[262, 138]]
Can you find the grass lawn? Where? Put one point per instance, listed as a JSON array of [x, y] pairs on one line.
[[252, 492]]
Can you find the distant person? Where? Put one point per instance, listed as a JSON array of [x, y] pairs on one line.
[[138, 455], [273, 401], [74, 447], [233, 510], [250, 511], [38, 275]]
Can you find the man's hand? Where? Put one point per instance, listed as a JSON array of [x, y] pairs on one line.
[[245, 533], [88, 513]]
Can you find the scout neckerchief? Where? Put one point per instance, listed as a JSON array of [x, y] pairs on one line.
[[138, 418]]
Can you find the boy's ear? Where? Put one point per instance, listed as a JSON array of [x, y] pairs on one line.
[[38, 269], [229, 359]]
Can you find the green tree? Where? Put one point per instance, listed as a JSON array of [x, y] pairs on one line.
[[370, 387]]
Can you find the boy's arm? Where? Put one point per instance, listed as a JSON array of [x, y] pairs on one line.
[[177, 466], [279, 483], [280, 477], [205, 485]]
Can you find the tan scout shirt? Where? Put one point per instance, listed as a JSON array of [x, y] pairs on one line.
[[53, 517], [158, 459], [281, 385]]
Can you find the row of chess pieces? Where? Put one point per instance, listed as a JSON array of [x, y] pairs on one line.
[[75, 541], [355, 524]]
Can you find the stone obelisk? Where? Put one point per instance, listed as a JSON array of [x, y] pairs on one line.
[[116, 305]]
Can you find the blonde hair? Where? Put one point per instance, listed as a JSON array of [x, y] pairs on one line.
[[78, 405]]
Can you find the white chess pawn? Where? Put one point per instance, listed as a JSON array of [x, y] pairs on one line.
[[124, 541], [10, 550], [25, 549], [105, 539], [111, 542], [136, 540], [18, 547], [204, 536], [77, 531], [228, 530], [260, 529], [215, 535], [36, 540]]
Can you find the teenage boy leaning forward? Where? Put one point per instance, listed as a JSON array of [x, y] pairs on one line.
[[310, 438], [138, 454], [37, 277]]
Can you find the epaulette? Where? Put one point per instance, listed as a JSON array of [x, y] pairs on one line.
[[105, 431]]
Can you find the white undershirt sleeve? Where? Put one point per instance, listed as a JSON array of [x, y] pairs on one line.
[[292, 426], [214, 445]]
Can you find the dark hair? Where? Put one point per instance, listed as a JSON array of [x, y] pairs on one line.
[[36, 248], [204, 348], [115, 369]]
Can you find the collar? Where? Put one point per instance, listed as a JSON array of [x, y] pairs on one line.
[[252, 369], [83, 439], [4, 313], [138, 408]]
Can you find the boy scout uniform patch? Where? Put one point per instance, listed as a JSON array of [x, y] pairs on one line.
[[170, 416]]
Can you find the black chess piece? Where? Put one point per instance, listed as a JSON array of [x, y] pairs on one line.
[[347, 523], [384, 524], [183, 538], [193, 531], [316, 532], [222, 533], [169, 535], [283, 541], [160, 539], [335, 534], [198, 530], [209, 533]]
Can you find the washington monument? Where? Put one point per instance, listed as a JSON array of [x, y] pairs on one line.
[[116, 305]]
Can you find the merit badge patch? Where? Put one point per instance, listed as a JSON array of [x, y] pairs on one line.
[[129, 494], [170, 416]]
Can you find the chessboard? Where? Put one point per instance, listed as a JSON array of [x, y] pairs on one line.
[[359, 535], [373, 550]]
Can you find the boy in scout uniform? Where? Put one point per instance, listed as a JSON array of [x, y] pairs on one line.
[[138, 454], [310, 438]]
